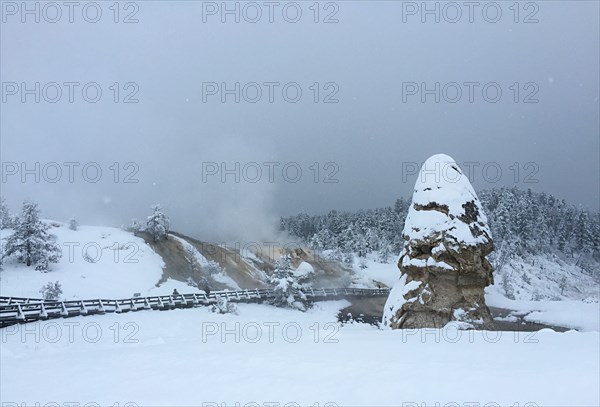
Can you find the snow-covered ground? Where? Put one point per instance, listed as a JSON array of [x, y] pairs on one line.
[[265, 354], [96, 261], [386, 273]]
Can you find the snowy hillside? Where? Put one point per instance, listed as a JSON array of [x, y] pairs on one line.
[[544, 277], [107, 262], [96, 261]]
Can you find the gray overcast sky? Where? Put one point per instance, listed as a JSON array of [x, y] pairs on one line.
[[371, 134]]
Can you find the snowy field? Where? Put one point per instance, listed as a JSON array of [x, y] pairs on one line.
[[265, 354]]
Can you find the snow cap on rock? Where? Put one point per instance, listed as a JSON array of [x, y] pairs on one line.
[[444, 202]]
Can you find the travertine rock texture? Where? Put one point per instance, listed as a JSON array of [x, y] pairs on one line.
[[443, 264]]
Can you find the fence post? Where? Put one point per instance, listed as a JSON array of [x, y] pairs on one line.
[[43, 313], [63, 309], [20, 314], [82, 307]]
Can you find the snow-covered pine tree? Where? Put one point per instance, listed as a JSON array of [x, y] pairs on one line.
[[401, 206], [566, 232], [134, 226], [385, 251], [596, 234], [223, 306], [336, 255], [321, 240], [373, 241], [190, 257], [73, 224], [286, 286], [583, 233], [51, 291], [31, 243], [5, 219], [212, 268], [501, 218], [158, 224]]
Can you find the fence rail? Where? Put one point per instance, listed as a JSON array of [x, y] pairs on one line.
[[21, 310]]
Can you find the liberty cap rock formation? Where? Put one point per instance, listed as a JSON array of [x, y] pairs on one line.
[[443, 265]]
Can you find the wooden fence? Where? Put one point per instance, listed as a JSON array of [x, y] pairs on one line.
[[21, 310]]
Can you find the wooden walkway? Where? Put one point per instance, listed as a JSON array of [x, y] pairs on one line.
[[15, 310]]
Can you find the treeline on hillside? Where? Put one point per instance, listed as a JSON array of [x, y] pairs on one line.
[[522, 222]]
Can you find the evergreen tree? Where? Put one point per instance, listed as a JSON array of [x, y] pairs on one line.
[[73, 224], [134, 226], [212, 268], [566, 233], [385, 252], [158, 224], [286, 286], [223, 306], [321, 240], [31, 243], [336, 255], [583, 233], [596, 234], [501, 221], [5, 219], [401, 206], [51, 291]]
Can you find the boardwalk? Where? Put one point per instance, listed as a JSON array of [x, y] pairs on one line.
[[21, 310]]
